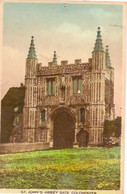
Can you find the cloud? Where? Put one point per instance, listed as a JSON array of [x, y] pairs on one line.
[[68, 28], [115, 25]]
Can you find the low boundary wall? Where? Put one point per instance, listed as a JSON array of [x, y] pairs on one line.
[[22, 147]]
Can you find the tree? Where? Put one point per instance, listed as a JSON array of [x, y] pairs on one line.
[[112, 128], [118, 127]]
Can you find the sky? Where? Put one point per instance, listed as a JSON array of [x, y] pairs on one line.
[[70, 31]]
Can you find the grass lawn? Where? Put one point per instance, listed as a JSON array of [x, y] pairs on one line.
[[90, 168]]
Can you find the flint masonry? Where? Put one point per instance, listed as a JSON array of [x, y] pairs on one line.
[[66, 104]]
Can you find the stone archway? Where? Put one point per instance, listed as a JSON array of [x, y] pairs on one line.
[[63, 124], [82, 138]]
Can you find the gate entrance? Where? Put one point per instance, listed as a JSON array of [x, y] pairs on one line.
[[63, 130]]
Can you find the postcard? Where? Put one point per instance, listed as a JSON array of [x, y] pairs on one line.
[[62, 97]]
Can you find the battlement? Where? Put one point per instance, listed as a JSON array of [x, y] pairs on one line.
[[63, 63], [64, 68], [78, 61]]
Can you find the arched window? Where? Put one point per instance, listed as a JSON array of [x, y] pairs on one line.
[[77, 85], [82, 115], [63, 93], [51, 86], [43, 116]]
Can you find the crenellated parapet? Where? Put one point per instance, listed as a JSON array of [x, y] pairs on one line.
[[79, 68]]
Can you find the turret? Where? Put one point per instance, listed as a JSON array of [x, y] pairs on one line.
[[97, 96], [30, 101]]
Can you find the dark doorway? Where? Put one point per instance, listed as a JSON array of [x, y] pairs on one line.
[[63, 130], [83, 138]]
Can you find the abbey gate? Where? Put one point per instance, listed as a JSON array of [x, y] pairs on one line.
[[62, 129], [66, 104]]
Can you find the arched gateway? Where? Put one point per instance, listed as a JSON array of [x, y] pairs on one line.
[[63, 128], [80, 87]]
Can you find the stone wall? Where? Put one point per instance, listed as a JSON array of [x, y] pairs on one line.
[[22, 147]]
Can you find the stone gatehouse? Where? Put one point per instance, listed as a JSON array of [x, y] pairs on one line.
[[67, 104]]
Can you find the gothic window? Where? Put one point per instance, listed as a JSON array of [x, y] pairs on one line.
[[51, 86], [16, 120], [43, 116], [82, 115], [77, 85], [63, 93]]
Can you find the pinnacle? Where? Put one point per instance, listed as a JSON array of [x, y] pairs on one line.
[[32, 53], [107, 58], [54, 58], [98, 43]]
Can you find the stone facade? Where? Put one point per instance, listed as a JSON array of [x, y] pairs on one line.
[[66, 104]]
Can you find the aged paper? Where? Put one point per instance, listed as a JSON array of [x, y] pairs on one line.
[[62, 72]]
